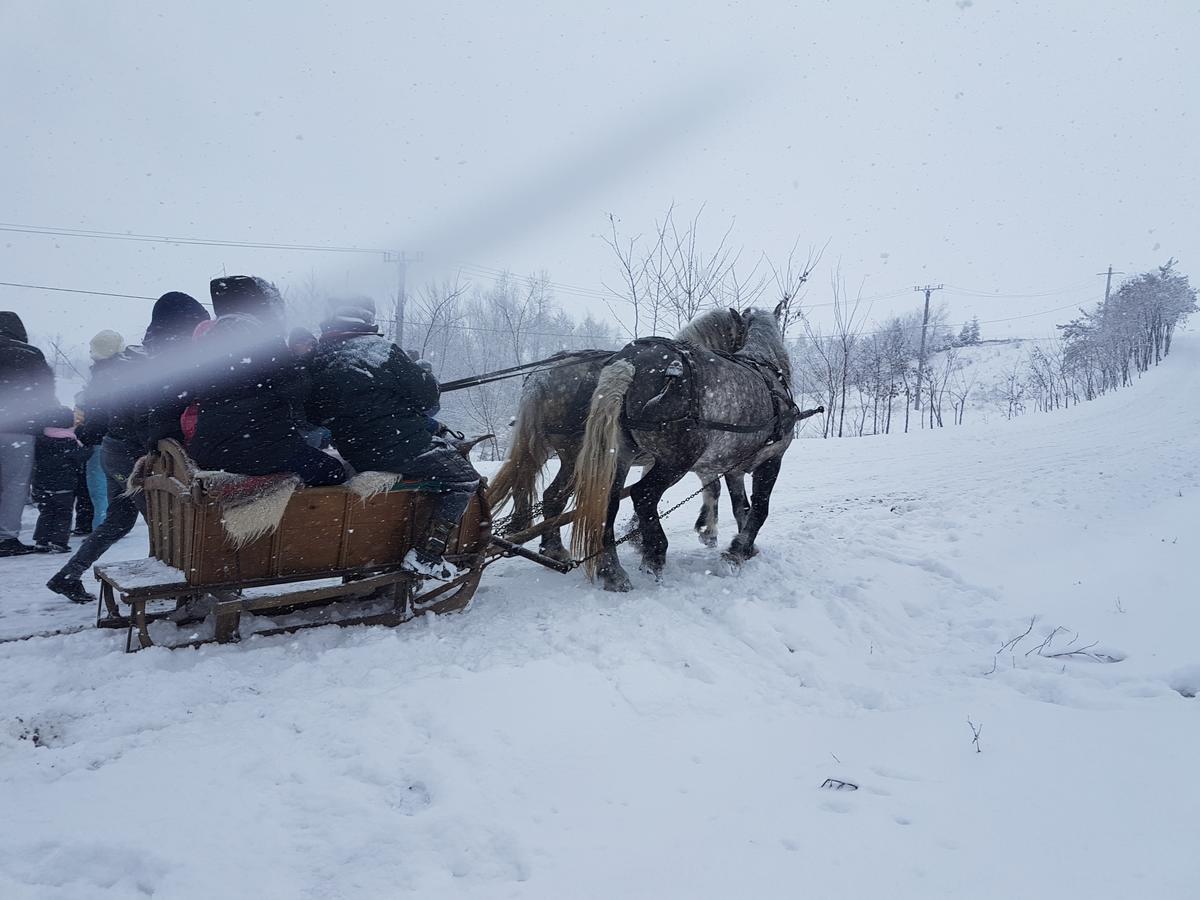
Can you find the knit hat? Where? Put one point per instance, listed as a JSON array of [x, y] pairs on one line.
[[248, 295], [174, 317], [105, 345], [350, 314]]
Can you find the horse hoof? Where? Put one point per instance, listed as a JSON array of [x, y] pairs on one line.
[[708, 538], [652, 569], [735, 556], [617, 582]]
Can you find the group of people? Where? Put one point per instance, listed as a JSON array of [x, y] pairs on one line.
[[243, 395], [33, 448]]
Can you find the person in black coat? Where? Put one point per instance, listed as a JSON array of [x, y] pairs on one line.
[[117, 412], [59, 460], [377, 403], [27, 406], [249, 390]]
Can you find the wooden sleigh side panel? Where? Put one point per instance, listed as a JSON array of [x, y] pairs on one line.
[[324, 531]]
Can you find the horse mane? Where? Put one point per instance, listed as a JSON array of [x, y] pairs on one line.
[[714, 329], [764, 340]]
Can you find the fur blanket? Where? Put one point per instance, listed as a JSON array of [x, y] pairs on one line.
[[251, 505], [368, 484]]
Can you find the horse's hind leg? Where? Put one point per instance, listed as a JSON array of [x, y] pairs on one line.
[[646, 494], [706, 523], [736, 482], [613, 577], [765, 475], [521, 515], [554, 498]]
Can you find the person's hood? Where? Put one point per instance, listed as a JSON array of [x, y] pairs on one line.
[[12, 327]]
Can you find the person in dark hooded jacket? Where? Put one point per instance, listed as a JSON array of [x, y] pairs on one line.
[[117, 415], [27, 406], [249, 390], [377, 402]]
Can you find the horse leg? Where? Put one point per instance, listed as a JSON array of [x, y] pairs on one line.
[[646, 494], [522, 514], [742, 547], [553, 500], [613, 577], [736, 482], [706, 524]]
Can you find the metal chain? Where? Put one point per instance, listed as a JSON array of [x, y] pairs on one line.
[[576, 563]]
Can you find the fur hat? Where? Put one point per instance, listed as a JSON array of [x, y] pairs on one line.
[[350, 314], [248, 295], [105, 345]]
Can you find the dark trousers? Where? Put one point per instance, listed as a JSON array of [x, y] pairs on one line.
[[84, 511], [56, 476], [448, 474], [315, 467], [117, 459]]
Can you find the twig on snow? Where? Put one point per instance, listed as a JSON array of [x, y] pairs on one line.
[[976, 730]]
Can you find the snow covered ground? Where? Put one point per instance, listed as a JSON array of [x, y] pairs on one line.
[[559, 742]]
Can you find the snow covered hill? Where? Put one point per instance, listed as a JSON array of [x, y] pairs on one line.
[[1036, 577]]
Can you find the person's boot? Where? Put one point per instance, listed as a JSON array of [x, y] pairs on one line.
[[429, 560], [13, 547], [71, 588], [52, 547]]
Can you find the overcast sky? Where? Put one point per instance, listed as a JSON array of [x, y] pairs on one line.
[[1006, 147]]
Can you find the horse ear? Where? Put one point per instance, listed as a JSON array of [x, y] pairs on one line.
[[782, 305], [737, 316]]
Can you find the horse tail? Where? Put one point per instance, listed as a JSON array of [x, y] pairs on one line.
[[596, 465], [528, 452]]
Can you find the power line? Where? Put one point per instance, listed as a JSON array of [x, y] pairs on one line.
[[471, 268], [44, 287], [168, 239]]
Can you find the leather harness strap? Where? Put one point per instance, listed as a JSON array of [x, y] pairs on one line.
[[783, 406]]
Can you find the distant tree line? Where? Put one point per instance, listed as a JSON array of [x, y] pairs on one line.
[[867, 379], [1121, 336]]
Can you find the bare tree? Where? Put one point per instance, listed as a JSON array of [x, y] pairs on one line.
[[437, 310], [790, 279]]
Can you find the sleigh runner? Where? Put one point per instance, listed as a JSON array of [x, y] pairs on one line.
[[332, 547]]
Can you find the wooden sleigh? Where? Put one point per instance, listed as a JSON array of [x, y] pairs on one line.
[[334, 559]]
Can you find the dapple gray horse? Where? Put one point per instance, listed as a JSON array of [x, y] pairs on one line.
[[688, 411], [551, 419]]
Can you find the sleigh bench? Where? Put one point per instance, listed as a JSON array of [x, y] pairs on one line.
[[331, 544]]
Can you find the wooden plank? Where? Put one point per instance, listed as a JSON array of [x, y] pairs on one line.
[[228, 614], [378, 530], [346, 591], [311, 532]]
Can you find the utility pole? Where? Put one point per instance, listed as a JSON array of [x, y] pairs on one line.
[[1108, 282], [928, 289], [401, 259]]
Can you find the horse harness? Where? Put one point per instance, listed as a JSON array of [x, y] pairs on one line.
[[785, 412]]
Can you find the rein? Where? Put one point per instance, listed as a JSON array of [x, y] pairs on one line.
[[557, 361]]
